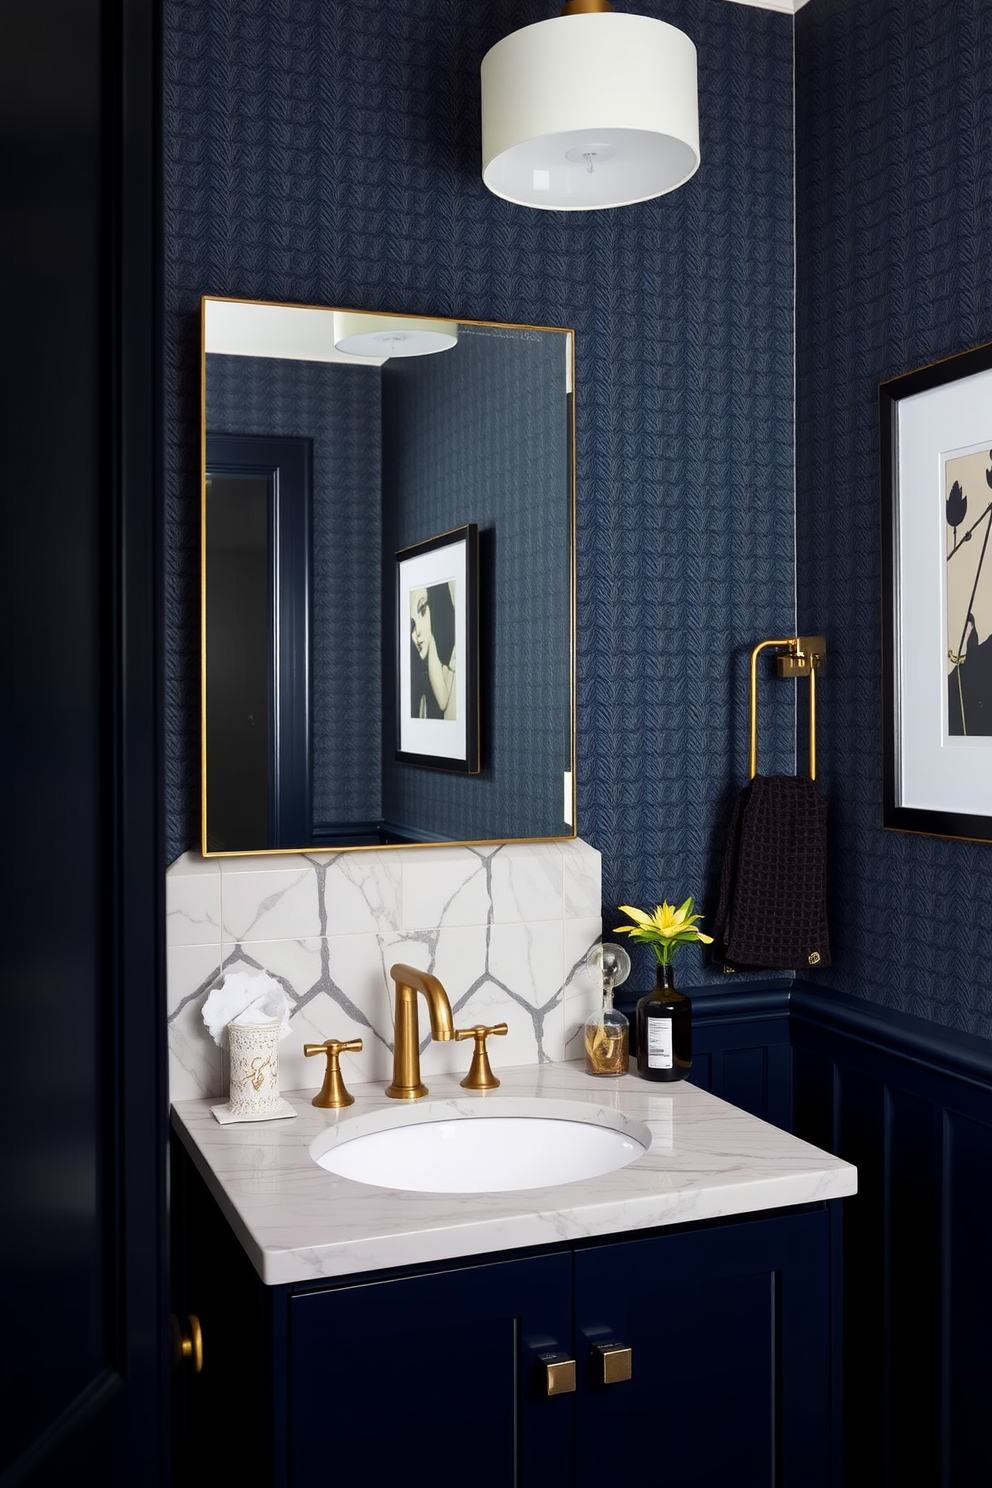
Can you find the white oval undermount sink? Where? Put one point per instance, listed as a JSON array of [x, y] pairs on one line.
[[496, 1147]]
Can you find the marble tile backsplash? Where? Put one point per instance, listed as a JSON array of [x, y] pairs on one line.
[[506, 928]]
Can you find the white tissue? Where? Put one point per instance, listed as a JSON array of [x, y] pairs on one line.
[[246, 997]]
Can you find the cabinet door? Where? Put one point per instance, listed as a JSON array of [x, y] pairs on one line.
[[433, 1379], [729, 1370]]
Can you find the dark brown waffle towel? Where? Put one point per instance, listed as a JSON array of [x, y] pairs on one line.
[[772, 911]]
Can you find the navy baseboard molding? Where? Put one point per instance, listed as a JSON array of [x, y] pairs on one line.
[[806, 1010], [930, 1046], [732, 1002]]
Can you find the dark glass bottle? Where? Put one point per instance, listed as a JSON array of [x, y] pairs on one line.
[[664, 1031]]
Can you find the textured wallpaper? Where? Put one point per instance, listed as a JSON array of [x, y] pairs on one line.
[[894, 213], [330, 154], [480, 434]]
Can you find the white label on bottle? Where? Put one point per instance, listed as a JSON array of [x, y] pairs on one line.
[[659, 1043]]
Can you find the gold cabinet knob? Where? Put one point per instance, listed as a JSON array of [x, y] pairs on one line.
[[333, 1093], [187, 1347], [557, 1372], [613, 1362], [480, 1075]]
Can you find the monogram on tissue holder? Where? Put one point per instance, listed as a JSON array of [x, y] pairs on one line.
[[253, 1009]]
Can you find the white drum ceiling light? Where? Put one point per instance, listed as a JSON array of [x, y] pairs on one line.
[[591, 109]]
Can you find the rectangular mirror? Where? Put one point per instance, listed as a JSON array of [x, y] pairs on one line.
[[338, 448]]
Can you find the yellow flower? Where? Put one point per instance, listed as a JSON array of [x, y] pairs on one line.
[[665, 930]]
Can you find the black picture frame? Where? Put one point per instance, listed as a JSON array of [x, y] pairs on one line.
[[935, 426], [437, 655]]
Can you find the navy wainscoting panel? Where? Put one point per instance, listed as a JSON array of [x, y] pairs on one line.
[[967, 1309], [911, 1105], [330, 154], [740, 1047], [894, 241], [912, 1152]]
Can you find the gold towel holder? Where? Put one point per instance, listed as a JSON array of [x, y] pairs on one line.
[[803, 658]]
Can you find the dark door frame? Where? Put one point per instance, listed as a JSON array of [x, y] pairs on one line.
[[84, 1097], [285, 462]]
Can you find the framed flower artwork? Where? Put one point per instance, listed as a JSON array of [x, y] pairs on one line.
[[936, 489]]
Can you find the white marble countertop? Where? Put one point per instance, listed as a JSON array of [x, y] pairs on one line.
[[298, 1222]]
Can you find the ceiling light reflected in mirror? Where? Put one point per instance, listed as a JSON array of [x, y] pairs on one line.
[[362, 335]]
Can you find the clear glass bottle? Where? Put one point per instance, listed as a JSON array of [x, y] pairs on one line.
[[607, 1032], [664, 1031]]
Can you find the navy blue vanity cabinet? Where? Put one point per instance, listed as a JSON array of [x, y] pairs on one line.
[[437, 1379], [729, 1366], [438, 1375]]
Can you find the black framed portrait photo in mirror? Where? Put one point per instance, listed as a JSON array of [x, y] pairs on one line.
[[437, 652]]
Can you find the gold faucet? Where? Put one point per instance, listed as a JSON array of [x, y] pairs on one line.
[[407, 1084]]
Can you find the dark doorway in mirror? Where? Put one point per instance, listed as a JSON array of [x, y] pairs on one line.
[[257, 564]]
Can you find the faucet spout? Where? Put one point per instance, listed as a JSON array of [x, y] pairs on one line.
[[407, 1084]]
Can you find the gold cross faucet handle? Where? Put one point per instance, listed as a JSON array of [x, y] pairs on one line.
[[480, 1075], [333, 1093]]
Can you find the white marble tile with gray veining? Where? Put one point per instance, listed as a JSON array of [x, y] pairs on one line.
[[494, 923], [277, 901], [192, 901], [447, 886], [359, 891], [706, 1160], [527, 883], [583, 993], [195, 1062], [582, 880]]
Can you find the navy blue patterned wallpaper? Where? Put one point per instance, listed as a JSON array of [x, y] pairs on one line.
[[330, 154], [481, 434], [894, 212]]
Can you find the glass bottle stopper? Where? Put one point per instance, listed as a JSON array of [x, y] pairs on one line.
[[609, 964], [607, 1033]]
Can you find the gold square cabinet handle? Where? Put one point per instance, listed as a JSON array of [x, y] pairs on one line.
[[613, 1362], [557, 1371]]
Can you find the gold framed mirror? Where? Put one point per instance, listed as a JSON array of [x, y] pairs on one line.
[[333, 442]]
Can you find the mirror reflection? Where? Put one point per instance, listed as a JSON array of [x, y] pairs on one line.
[[345, 455]]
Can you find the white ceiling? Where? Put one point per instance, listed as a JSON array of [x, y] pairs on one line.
[[788, 6], [303, 333]]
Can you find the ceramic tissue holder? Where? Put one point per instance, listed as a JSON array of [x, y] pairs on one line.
[[253, 1013], [254, 1074]]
